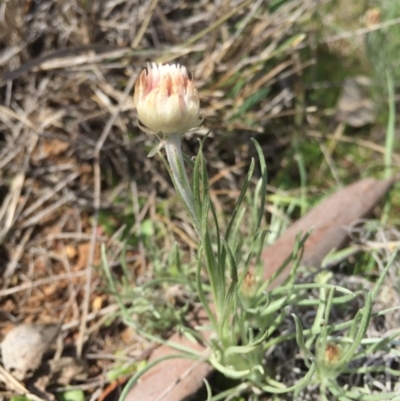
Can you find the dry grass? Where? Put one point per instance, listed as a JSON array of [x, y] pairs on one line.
[[69, 145]]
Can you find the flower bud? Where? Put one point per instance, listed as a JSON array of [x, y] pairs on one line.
[[166, 100], [333, 354]]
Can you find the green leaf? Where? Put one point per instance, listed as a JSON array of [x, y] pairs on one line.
[[261, 189], [300, 337], [357, 331], [20, 398], [209, 391], [147, 228], [240, 199], [71, 395], [391, 129]]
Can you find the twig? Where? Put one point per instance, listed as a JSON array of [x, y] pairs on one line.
[[148, 15], [46, 196], [16, 257], [360, 31], [49, 210], [40, 282], [13, 384]]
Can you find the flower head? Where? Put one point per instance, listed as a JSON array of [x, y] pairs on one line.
[[166, 100]]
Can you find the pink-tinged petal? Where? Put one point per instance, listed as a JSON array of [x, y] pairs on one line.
[[166, 99]]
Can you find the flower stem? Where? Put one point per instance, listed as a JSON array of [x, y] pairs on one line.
[[184, 189], [180, 178]]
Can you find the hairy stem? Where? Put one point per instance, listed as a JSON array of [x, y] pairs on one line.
[[180, 178]]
